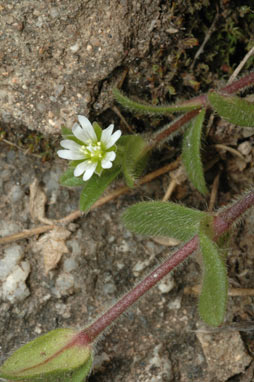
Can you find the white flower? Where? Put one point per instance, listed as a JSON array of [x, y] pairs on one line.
[[96, 154]]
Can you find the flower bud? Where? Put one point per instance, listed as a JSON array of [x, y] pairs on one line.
[[58, 356]]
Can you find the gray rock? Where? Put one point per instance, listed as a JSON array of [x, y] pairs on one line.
[[12, 256], [14, 288], [63, 52], [64, 285]]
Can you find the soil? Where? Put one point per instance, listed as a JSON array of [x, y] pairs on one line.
[[162, 337]]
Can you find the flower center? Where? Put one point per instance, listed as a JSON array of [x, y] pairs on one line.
[[93, 151]]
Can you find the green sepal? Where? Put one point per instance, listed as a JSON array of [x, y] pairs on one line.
[[95, 187], [98, 130], [213, 297], [69, 180], [234, 109], [53, 357], [66, 133], [191, 153], [134, 159], [163, 219], [150, 109]]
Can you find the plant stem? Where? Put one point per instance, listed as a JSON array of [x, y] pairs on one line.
[[97, 327], [175, 125], [222, 223], [239, 85], [224, 219]]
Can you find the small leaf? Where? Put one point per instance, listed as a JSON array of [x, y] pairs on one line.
[[213, 297], [55, 356], [95, 187], [234, 109], [163, 219], [134, 159], [149, 109], [66, 133], [69, 180], [191, 153]]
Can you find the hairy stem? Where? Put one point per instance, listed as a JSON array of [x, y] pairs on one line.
[[239, 85], [224, 220], [222, 223], [90, 333], [175, 125]]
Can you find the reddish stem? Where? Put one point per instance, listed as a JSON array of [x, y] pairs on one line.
[[239, 85], [90, 333], [202, 101], [221, 224], [224, 220], [173, 127]]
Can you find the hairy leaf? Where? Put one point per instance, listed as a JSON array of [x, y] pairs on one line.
[[134, 159], [234, 109], [163, 219], [213, 297], [150, 109], [68, 179], [95, 187], [52, 357], [191, 153]]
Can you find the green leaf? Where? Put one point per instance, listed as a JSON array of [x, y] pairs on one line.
[[191, 153], [134, 159], [69, 180], [55, 356], [234, 109], [66, 133], [149, 109], [95, 187], [213, 297], [163, 219]]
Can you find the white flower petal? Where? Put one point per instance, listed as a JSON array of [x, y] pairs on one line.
[[117, 134], [87, 127], [80, 133], [68, 154], [106, 163], [81, 167], [71, 145], [89, 172], [106, 135], [111, 155]]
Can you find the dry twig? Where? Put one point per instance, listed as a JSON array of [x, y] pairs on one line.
[[240, 66]]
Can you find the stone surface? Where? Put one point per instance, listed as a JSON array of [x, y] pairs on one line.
[[225, 353], [12, 256], [54, 55], [14, 288]]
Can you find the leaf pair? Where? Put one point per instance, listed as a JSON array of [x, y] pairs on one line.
[[173, 220], [234, 109]]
